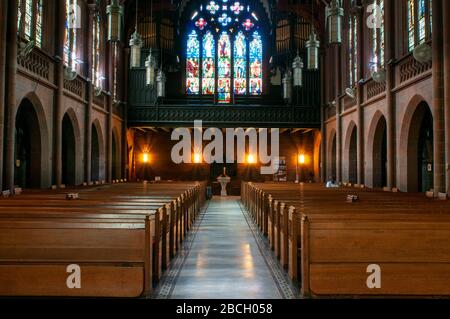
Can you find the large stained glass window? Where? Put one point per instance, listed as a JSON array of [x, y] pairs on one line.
[[378, 38], [224, 76], [240, 64], [256, 55], [419, 17], [352, 50], [209, 63], [224, 52], [193, 64]]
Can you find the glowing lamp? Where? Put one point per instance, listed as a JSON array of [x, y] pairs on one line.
[[312, 46], [251, 159], [197, 158], [301, 159], [145, 158], [334, 14], [150, 66], [135, 45]]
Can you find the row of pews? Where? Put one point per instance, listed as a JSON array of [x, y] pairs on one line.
[[102, 241], [347, 242]]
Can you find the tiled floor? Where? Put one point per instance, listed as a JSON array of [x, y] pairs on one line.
[[224, 258]]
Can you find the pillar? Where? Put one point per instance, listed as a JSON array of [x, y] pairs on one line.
[[323, 140], [3, 27], [59, 96], [390, 84], [338, 113], [446, 44], [11, 72], [90, 97], [438, 97], [110, 68], [359, 102]]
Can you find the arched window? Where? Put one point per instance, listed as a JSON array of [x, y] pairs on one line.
[[70, 44], [224, 51], [378, 40], [29, 21], [419, 17], [352, 50]]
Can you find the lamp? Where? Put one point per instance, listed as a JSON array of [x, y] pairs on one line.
[[145, 157], [115, 17], [334, 15], [136, 45], [287, 85], [312, 46], [301, 159], [251, 159], [150, 65], [197, 158], [161, 84], [297, 68]]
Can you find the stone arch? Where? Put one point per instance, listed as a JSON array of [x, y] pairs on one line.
[[72, 155], [376, 151], [98, 159], [417, 122], [116, 155], [331, 155], [351, 154]]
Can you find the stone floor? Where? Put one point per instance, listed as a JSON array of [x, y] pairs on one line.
[[225, 257]]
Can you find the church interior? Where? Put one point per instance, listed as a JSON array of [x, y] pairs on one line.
[[95, 96]]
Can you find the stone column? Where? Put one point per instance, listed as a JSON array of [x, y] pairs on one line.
[[438, 97], [446, 38], [338, 113], [359, 101], [11, 73], [125, 163], [90, 96], [59, 97], [110, 68], [323, 140], [3, 27], [390, 84]]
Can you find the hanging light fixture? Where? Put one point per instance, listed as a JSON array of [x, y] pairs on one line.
[[136, 44], [297, 69], [334, 15], [287, 85], [150, 65], [115, 18], [161, 84], [312, 45]]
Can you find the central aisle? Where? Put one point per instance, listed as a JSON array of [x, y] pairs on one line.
[[224, 259]]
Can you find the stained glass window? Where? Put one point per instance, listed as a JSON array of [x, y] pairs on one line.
[[378, 38], [353, 50], [419, 17], [224, 71], [29, 20], [96, 77], [208, 66], [256, 55], [70, 44], [224, 51], [240, 64], [193, 64]]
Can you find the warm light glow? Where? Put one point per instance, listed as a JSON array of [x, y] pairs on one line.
[[251, 159], [145, 158], [197, 158], [301, 159]]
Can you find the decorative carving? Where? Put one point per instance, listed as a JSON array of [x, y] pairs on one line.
[[410, 68], [373, 89], [76, 86], [36, 63]]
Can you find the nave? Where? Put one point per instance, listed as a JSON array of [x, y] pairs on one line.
[[225, 258]]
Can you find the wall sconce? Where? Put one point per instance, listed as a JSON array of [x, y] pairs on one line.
[[251, 159], [301, 159], [145, 158], [197, 158]]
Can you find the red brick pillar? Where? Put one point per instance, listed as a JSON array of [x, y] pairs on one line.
[[446, 38], [338, 114], [11, 72], [3, 27], [438, 97], [110, 70], [59, 98], [390, 84]]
